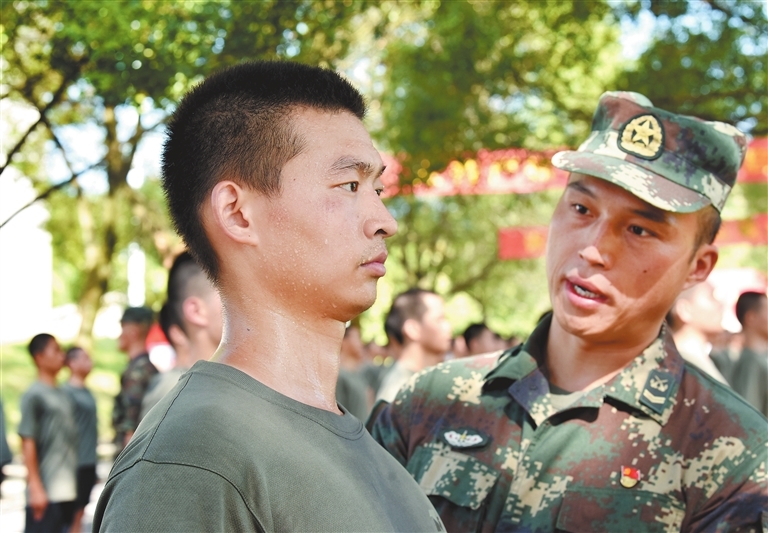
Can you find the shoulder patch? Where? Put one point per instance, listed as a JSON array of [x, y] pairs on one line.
[[656, 390], [465, 438]]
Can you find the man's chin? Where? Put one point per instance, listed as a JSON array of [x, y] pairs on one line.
[[579, 324], [353, 306]]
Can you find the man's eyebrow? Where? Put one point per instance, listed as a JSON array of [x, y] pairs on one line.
[[649, 212], [652, 213], [579, 186], [363, 168]]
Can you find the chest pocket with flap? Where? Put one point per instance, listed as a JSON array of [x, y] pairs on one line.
[[616, 509], [457, 484]]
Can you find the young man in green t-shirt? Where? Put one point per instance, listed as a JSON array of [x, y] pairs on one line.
[[80, 364], [48, 442], [274, 184]]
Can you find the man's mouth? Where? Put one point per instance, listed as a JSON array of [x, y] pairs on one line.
[[585, 293]]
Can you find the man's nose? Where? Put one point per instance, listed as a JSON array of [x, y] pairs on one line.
[[600, 246]]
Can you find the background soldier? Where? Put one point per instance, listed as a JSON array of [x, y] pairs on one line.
[[191, 321], [135, 378], [596, 423], [48, 442], [417, 321], [750, 373], [80, 365]]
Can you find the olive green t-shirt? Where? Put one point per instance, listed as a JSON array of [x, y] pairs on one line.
[[223, 452], [47, 417], [86, 419], [352, 393]]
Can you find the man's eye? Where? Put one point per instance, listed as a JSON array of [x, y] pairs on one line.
[[637, 230], [580, 209], [379, 191], [352, 186]]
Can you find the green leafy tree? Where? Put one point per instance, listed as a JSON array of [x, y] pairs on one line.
[[706, 58], [119, 68], [465, 76], [461, 76]]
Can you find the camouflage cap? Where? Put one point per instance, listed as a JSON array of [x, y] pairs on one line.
[[138, 315], [675, 162]]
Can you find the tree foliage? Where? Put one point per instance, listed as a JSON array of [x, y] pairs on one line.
[[469, 75], [706, 58], [444, 79], [120, 68]]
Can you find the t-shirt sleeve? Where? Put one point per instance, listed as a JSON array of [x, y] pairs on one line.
[[169, 497], [29, 424]]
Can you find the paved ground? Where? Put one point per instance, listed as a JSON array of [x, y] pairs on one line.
[[12, 498]]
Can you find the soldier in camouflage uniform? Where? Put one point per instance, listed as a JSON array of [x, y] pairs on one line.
[[596, 423], [135, 379]]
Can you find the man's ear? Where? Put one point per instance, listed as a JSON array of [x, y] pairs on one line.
[[412, 330], [231, 212], [683, 309], [176, 336], [195, 311], [704, 260]]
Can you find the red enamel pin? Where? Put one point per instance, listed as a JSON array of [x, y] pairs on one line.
[[629, 476]]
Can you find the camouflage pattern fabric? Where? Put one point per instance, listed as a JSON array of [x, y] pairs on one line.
[[675, 162], [660, 447], [133, 385]]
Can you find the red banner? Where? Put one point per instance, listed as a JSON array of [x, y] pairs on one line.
[[522, 243], [755, 167], [514, 170], [752, 231], [519, 171], [531, 242]]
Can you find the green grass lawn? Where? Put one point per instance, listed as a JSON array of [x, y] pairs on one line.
[[17, 372]]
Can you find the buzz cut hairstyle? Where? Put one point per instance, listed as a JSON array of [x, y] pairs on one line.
[[748, 301], [186, 278], [708, 226], [236, 125], [39, 342], [406, 305], [72, 353], [473, 331], [167, 318]]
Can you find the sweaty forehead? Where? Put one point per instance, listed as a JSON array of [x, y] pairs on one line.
[[327, 136]]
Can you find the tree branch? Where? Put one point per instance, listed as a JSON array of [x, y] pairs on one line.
[[50, 190], [468, 282], [55, 100], [58, 186]]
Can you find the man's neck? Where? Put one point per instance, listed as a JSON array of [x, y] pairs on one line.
[[296, 356], [415, 358], [574, 364], [76, 381], [755, 341], [136, 350], [349, 361], [49, 378], [691, 340], [200, 348]]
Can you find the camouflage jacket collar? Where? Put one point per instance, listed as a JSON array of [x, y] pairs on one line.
[[648, 384]]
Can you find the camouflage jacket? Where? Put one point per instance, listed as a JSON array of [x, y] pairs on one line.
[[133, 384], [660, 447]]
